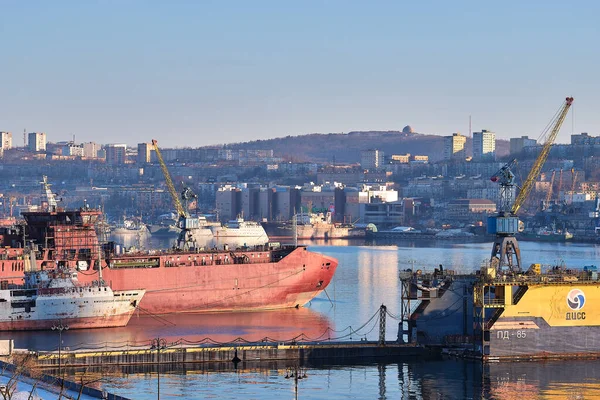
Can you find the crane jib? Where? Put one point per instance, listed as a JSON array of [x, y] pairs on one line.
[[506, 254], [180, 210], [539, 162]]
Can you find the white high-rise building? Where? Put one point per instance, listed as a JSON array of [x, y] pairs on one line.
[[37, 141], [484, 146], [454, 147], [5, 140]]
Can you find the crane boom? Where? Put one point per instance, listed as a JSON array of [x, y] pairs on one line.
[[573, 182], [180, 210], [549, 193], [559, 183], [541, 159], [506, 254]]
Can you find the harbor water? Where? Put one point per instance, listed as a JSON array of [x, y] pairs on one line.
[[366, 278]]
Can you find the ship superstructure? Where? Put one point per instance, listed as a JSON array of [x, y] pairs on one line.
[[240, 228]]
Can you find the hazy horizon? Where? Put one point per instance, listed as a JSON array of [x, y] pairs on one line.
[[192, 74]]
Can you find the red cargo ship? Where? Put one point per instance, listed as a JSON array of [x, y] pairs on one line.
[[191, 280]]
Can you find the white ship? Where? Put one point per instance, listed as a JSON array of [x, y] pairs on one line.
[[239, 228], [129, 227], [50, 297], [312, 226]]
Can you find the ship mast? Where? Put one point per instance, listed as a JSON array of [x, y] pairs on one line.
[[49, 203], [100, 279], [295, 228]]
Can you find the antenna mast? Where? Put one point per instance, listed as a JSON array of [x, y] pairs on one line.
[[470, 132]]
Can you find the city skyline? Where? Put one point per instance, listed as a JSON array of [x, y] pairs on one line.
[[196, 74]]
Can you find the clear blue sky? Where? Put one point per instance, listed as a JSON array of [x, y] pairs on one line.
[[205, 72]]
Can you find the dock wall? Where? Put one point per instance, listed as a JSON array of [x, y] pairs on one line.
[[302, 353]]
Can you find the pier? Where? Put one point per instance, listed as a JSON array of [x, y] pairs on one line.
[[164, 353]]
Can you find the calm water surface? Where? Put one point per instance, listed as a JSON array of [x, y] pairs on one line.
[[366, 278]]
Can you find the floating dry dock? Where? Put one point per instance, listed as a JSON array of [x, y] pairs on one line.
[[510, 316], [315, 353]]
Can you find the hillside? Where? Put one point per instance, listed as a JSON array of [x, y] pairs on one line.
[[346, 148]]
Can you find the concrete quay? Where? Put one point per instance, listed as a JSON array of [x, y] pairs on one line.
[[301, 353]]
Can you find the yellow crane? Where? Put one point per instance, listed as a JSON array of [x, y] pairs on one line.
[[178, 206], [12, 202], [549, 193], [574, 181], [541, 159], [187, 224], [560, 181], [505, 251]]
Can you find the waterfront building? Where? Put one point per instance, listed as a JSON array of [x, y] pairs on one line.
[[317, 198], [228, 202], [382, 214], [465, 209]]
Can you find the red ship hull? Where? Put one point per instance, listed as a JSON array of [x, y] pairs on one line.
[[290, 282], [203, 282]]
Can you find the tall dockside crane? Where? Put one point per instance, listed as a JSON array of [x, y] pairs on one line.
[[560, 181], [506, 255], [573, 183], [184, 221], [549, 193]]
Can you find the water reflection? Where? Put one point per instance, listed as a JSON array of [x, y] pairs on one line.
[[283, 325], [537, 380], [406, 379]]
